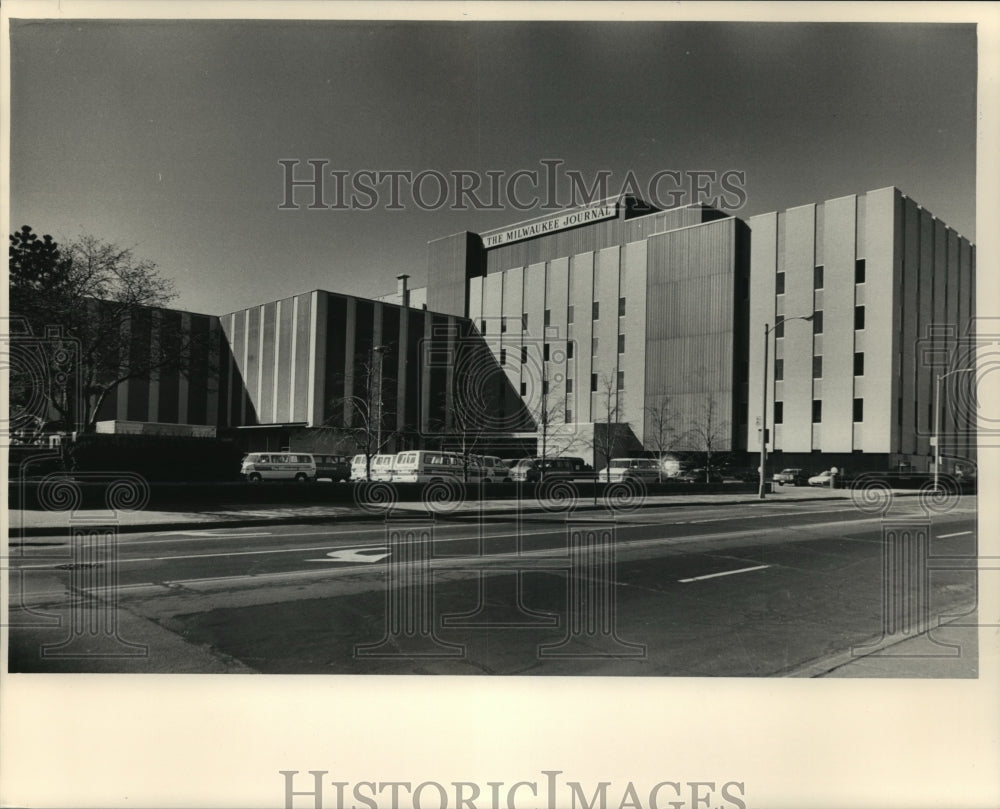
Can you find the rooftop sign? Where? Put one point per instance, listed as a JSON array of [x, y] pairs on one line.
[[580, 216]]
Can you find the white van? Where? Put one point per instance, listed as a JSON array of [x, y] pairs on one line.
[[381, 467], [260, 466], [424, 466]]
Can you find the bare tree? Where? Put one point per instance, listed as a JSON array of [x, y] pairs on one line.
[[363, 415], [606, 441], [661, 431], [710, 433], [97, 306]]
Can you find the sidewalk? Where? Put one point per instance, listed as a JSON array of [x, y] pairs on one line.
[[28, 523]]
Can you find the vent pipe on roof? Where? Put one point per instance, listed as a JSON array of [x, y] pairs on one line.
[[403, 290]]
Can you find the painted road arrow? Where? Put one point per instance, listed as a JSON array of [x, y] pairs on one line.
[[351, 555]]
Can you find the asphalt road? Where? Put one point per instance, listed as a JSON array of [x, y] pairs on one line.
[[774, 589]]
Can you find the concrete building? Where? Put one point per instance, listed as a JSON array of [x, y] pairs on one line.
[[619, 319]]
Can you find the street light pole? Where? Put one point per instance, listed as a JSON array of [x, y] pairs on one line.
[[379, 351], [763, 409], [937, 419]]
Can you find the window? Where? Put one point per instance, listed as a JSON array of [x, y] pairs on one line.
[[524, 388], [569, 385], [779, 284], [503, 356], [779, 329], [548, 317], [597, 311], [779, 370], [621, 343], [569, 349], [545, 352], [524, 354], [482, 327], [569, 416], [545, 387], [859, 363], [817, 367], [594, 344], [569, 314], [621, 307], [621, 380], [779, 412], [859, 271], [818, 322], [818, 277], [524, 321], [859, 317], [859, 409], [593, 383], [817, 411], [503, 325]]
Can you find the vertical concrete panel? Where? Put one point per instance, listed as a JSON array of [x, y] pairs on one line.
[[184, 382], [582, 291], [838, 329], [925, 316], [798, 343], [313, 349], [283, 360], [606, 286], [476, 300], [154, 376], [763, 269], [910, 311], [559, 368], [510, 340], [963, 417], [879, 335], [310, 338], [216, 374], [532, 339], [633, 325], [350, 340]]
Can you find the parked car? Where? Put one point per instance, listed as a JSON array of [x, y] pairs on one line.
[[699, 476], [745, 474], [531, 470], [260, 466], [334, 467], [792, 475], [627, 469], [822, 479], [381, 467]]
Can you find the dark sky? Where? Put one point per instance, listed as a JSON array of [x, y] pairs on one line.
[[167, 135]]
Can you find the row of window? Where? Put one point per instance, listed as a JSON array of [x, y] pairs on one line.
[[859, 366], [594, 385], [570, 314], [817, 321], [859, 277], [817, 411]]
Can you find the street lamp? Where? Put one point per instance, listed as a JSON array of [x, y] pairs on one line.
[[379, 351], [763, 407], [937, 418]]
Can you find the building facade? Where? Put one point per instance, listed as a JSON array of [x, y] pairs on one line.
[[616, 318]]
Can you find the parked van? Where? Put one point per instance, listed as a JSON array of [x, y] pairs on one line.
[[260, 466], [334, 467], [424, 466], [494, 470], [381, 467]]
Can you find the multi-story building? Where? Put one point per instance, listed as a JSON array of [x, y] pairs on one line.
[[616, 312]]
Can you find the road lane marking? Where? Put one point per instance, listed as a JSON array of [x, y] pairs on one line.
[[959, 534], [724, 573]]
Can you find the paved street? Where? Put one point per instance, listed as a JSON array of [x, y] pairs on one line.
[[777, 589]]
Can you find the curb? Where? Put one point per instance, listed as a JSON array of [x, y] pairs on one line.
[[361, 516]]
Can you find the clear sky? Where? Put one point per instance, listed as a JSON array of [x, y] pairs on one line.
[[167, 135]]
